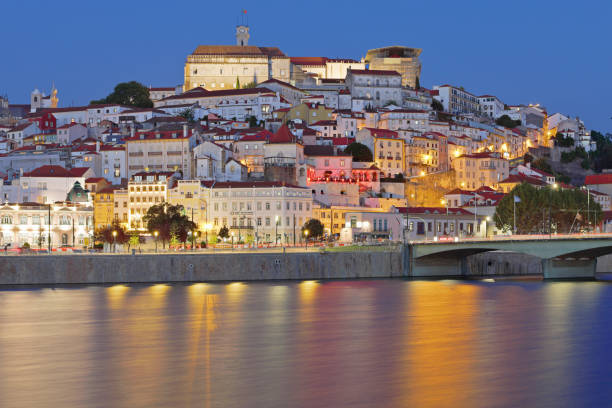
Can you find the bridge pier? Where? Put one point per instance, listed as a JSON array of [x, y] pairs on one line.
[[438, 266], [556, 268]]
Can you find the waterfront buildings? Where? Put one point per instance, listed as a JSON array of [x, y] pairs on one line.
[[40, 225]]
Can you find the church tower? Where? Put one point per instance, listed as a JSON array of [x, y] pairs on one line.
[[242, 35]]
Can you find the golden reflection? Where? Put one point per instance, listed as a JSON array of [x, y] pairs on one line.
[[202, 307], [308, 291], [159, 291], [439, 347], [116, 295], [235, 291]]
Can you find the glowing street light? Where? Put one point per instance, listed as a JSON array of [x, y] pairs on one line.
[[155, 234], [306, 235]]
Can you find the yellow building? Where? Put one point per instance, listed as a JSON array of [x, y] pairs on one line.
[[332, 217], [104, 208], [306, 112], [480, 169], [388, 149], [190, 195]]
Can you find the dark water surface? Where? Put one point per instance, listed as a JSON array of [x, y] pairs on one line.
[[370, 343]]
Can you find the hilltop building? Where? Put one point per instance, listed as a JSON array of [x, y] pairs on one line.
[[214, 67], [404, 60]]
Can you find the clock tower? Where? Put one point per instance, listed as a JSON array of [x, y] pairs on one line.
[[242, 35]]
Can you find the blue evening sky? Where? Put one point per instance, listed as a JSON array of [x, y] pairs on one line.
[[557, 53]]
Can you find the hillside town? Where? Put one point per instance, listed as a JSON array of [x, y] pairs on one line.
[[259, 148]]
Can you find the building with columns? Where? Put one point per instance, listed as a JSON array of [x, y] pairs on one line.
[[71, 224]]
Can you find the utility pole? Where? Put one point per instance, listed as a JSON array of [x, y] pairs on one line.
[[49, 222]]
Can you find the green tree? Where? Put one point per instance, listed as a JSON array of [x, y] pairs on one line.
[[237, 82], [314, 228], [252, 121], [570, 210], [527, 158], [360, 152], [249, 85], [437, 105], [168, 220], [133, 241], [106, 234], [188, 115], [129, 94], [224, 232], [507, 122], [563, 141]]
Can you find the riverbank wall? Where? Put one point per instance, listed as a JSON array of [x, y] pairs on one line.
[[152, 268], [90, 269]]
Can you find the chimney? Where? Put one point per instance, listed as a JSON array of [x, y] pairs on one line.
[[97, 146], [184, 130]]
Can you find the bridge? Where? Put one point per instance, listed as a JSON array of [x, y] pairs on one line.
[[562, 258]]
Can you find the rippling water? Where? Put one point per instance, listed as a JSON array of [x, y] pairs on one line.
[[369, 343]]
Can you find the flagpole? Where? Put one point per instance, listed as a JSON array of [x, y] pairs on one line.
[[514, 214]]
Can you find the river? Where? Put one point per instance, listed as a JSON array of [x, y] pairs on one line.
[[363, 343]]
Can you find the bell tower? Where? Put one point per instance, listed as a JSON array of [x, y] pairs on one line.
[[242, 35]]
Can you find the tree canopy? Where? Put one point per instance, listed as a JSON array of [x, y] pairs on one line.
[[169, 222], [106, 234], [360, 152], [507, 122], [437, 105], [314, 228], [129, 94], [223, 232], [570, 210]]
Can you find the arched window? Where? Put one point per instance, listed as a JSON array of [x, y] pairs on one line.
[[6, 219], [64, 239]]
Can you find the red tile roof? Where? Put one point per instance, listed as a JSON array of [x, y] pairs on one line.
[[433, 210], [520, 178], [247, 184], [308, 60], [282, 135], [374, 72], [383, 133], [56, 171], [69, 125], [605, 178]]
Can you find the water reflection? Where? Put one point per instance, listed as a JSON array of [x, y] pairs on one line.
[[388, 343]]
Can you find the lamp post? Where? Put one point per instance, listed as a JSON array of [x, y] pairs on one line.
[[276, 229], [487, 219], [155, 234], [114, 241], [306, 235], [554, 186]]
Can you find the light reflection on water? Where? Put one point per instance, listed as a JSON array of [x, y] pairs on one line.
[[388, 343]]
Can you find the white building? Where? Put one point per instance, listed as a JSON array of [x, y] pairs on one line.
[[48, 184], [457, 100], [259, 212], [70, 132], [375, 88], [490, 106], [71, 224], [168, 150]]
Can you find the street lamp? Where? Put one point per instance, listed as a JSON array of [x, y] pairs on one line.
[[553, 187], [115, 241], [276, 219], [155, 234], [487, 219], [306, 235]]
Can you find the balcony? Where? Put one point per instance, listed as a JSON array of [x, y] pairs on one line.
[[174, 153], [136, 154], [154, 153], [242, 227], [280, 161]]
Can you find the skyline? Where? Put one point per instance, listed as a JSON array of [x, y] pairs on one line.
[[543, 53]]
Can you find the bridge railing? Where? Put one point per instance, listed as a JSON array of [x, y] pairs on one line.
[[522, 237]]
